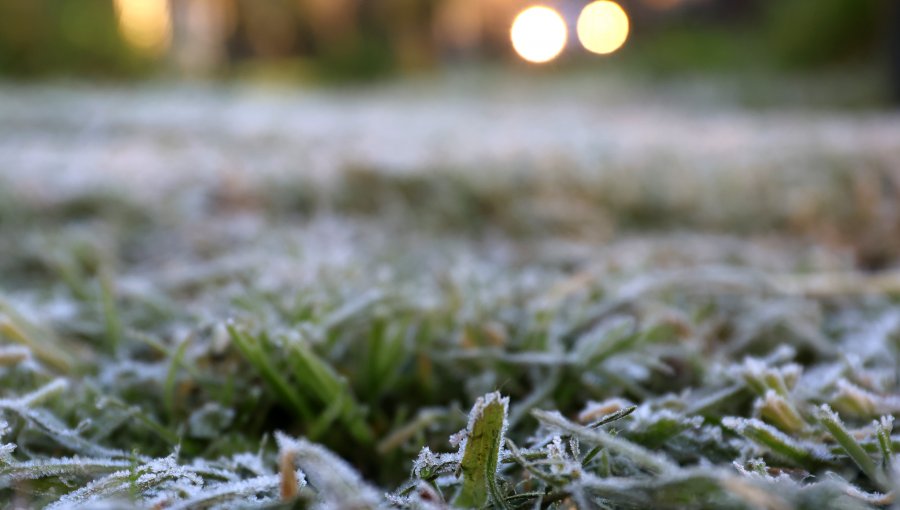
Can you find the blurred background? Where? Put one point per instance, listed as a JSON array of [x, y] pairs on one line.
[[580, 118], [352, 40]]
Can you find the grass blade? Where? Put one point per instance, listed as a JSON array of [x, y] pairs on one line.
[[850, 445], [484, 435], [253, 352]]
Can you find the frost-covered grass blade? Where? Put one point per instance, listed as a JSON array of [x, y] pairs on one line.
[[480, 453]]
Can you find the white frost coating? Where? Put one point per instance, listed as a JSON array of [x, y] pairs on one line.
[[45, 468], [250, 462], [50, 424], [602, 337], [113, 374], [742, 425], [422, 497], [561, 462], [768, 370], [204, 469], [337, 483], [791, 374], [435, 463], [248, 491], [707, 434], [759, 471], [151, 475], [739, 424], [52, 427], [628, 365], [754, 367], [870, 342], [556, 450], [159, 481], [852, 399], [13, 354], [426, 460], [457, 438], [399, 501], [6, 452], [93, 492], [825, 411], [636, 453], [43, 393], [645, 416], [816, 380], [630, 484], [208, 421]]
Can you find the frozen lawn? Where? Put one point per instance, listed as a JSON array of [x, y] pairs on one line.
[[232, 297]]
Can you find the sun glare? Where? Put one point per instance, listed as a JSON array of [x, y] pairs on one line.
[[602, 27], [538, 34], [145, 24]]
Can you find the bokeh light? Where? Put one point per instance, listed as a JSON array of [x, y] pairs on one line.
[[145, 24], [539, 34], [603, 27]]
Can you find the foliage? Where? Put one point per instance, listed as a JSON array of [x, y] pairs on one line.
[[809, 33], [63, 36]]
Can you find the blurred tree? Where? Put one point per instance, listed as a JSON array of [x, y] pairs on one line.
[[458, 27], [809, 33], [40, 37], [363, 53], [410, 38], [201, 29], [271, 27], [894, 52]]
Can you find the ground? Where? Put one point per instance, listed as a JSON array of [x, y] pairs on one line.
[[623, 294]]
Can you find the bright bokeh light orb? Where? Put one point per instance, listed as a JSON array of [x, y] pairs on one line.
[[145, 24], [539, 34], [602, 27]]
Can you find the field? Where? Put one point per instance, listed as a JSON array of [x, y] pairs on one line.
[[486, 291]]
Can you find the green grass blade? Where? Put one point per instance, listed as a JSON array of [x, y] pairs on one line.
[[883, 429], [111, 319], [169, 388], [316, 377], [484, 435], [854, 450], [772, 439], [253, 352]]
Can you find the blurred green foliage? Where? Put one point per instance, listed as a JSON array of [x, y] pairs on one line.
[[39, 37], [809, 33], [780, 35], [694, 48], [367, 56]]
